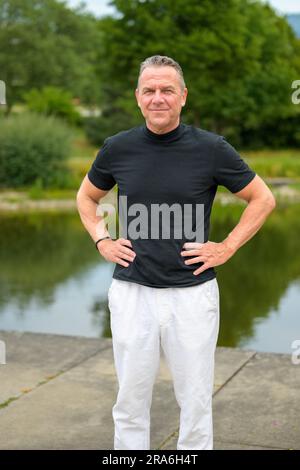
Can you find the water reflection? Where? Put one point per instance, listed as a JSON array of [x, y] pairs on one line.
[[253, 282], [51, 277], [53, 280]]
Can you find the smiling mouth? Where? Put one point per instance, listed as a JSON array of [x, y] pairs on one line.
[[158, 110]]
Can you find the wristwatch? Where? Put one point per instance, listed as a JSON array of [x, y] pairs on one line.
[[103, 238]]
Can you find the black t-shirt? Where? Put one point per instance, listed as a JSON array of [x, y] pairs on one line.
[[182, 166]]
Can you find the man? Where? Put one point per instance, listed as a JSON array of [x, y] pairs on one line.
[[164, 289]]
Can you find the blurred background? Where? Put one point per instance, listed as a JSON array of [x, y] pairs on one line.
[[70, 70]]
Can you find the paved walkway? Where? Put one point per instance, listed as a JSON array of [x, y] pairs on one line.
[[56, 392]]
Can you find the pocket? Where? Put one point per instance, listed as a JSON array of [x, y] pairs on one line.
[[212, 291]]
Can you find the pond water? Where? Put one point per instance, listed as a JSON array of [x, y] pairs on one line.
[[52, 280]]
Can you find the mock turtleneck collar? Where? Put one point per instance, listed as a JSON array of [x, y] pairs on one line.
[[167, 136]]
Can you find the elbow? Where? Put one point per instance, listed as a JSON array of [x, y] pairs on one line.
[[271, 203]]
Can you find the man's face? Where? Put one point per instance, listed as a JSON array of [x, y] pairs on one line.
[[160, 97]]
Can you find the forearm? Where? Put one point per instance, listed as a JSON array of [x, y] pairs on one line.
[[252, 219], [92, 222]]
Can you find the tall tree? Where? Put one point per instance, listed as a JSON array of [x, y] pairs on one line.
[[45, 43], [239, 58]]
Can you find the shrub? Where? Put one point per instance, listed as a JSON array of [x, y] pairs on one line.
[[109, 123], [32, 148], [52, 101]]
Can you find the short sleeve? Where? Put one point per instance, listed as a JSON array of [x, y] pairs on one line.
[[230, 170], [100, 173]]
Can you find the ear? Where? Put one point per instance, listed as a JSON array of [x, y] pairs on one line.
[[137, 97], [184, 96]]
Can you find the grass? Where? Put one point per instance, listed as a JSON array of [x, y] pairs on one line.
[[52, 194], [27, 390], [79, 166], [269, 153], [295, 186], [82, 156], [81, 148], [274, 163], [7, 402], [265, 162]]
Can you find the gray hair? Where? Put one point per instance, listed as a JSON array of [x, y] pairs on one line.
[[162, 61]]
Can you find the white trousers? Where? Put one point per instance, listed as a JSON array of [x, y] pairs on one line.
[[185, 322]]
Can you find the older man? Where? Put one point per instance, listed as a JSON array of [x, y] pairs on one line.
[[164, 290]]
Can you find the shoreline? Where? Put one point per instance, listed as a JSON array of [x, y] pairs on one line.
[[20, 202]]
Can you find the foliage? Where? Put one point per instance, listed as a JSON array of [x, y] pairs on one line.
[[44, 43], [33, 150], [111, 121], [239, 59], [52, 101], [238, 56]]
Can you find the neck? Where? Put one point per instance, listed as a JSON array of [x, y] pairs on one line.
[[163, 130]]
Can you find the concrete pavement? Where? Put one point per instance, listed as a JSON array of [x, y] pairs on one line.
[[57, 392]]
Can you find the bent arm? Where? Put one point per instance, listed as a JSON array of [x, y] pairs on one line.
[[261, 203], [87, 201]]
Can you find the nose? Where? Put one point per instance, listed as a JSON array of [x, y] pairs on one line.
[[157, 98]]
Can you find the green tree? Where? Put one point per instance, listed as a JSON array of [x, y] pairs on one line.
[[239, 58], [45, 43]]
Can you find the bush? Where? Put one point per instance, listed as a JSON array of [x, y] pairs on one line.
[[53, 101], [109, 123], [280, 133], [32, 148]]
